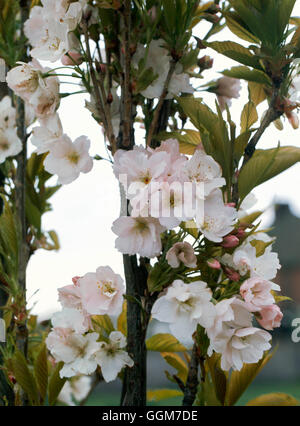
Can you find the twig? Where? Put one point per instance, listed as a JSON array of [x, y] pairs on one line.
[[127, 66], [192, 379], [160, 103], [101, 99]]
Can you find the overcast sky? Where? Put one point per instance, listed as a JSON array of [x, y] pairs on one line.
[[83, 211]]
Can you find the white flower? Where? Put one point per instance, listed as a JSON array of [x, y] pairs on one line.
[[218, 219], [111, 356], [184, 306], [233, 336], [10, 144], [72, 319], [181, 252], [49, 28], [101, 292], [75, 350], [76, 389], [68, 160], [202, 168], [157, 58], [138, 235], [245, 260], [7, 113], [41, 94], [47, 133]]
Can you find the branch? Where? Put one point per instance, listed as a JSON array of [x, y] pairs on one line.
[[192, 379], [101, 102], [160, 103], [127, 67]]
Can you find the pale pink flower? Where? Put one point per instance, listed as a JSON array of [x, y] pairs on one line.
[[183, 306], [218, 219], [102, 292], [47, 133], [24, 79], [72, 318], [257, 293], [10, 144], [269, 317], [68, 159], [70, 297], [77, 351], [181, 252], [227, 89], [75, 389], [112, 356], [138, 235], [72, 58]]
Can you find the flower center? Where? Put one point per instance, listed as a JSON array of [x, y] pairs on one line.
[[73, 157]]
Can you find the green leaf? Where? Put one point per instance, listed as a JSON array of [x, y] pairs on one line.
[[250, 218], [122, 319], [264, 165], [213, 131], [160, 394], [247, 74], [103, 322], [175, 361], [240, 144], [33, 214], [188, 139], [238, 28], [56, 384], [219, 377], [248, 117], [41, 372], [260, 246], [257, 92], [235, 51], [25, 378], [164, 343], [274, 400], [240, 380]]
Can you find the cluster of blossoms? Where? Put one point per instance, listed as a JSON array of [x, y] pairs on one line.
[[166, 188], [39, 88], [10, 143], [73, 339], [50, 28]]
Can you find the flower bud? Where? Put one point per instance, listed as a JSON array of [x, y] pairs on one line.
[[214, 264], [230, 241], [72, 58], [232, 274], [293, 119]]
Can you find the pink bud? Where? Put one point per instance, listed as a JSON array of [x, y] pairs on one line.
[[214, 264], [293, 119], [230, 204], [72, 58], [240, 233], [230, 241], [232, 274], [75, 280]]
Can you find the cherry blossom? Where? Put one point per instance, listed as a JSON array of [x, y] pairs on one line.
[[227, 89], [183, 306], [218, 219], [138, 235], [47, 133], [112, 357], [257, 293], [68, 159], [181, 252], [269, 317], [76, 389], [157, 58], [101, 292]]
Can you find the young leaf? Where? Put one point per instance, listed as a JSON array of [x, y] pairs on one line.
[[257, 92], [235, 51], [264, 165], [103, 322], [240, 380], [248, 117], [160, 394], [122, 319], [25, 378], [176, 362], [274, 400], [56, 384], [238, 28], [247, 74], [41, 372], [164, 343]]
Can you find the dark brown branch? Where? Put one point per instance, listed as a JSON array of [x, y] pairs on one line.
[[192, 379], [127, 125], [159, 106]]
